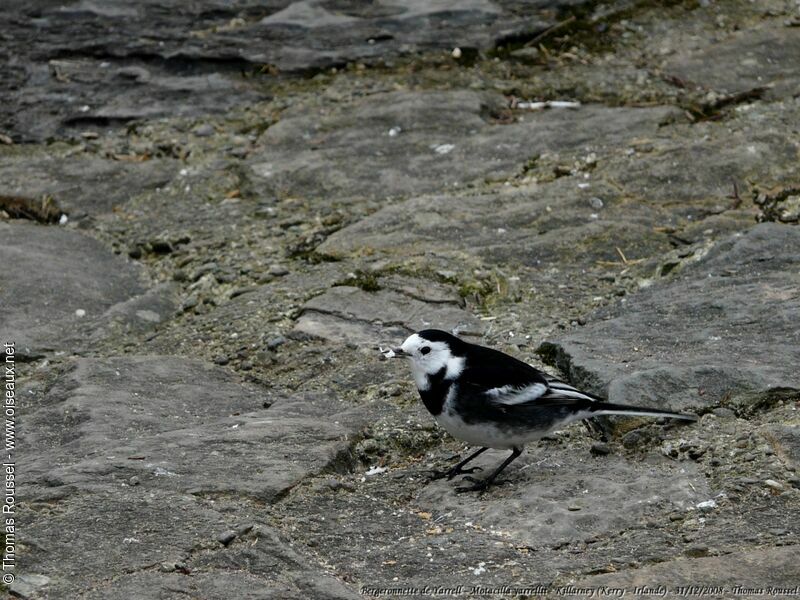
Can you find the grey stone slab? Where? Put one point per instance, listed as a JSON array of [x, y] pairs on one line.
[[349, 314], [785, 441], [755, 571], [53, 280], [404, 143], [139, 314], [748, 59], [222, 585], [757, 150], [81, 184], [537, 225], [151, 417], [726, 326], [564, 495], [134, 539], [84, 64]]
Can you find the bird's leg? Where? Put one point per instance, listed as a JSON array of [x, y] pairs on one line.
[[457, 470], [482, 484]]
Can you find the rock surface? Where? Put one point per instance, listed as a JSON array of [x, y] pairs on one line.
[[754, 568], [236, 206], [403, 143], [82, 185], [104, 417], [92, 65], [53, 279], [699, 339], [348, 314]]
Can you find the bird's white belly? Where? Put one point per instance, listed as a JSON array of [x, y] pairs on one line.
[[484, 434]]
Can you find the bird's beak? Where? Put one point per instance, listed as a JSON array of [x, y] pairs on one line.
[[400, 352]]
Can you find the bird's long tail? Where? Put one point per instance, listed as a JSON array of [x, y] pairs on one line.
[[609, 408]]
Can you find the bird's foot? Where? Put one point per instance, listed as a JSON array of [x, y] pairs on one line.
[[450, 473]]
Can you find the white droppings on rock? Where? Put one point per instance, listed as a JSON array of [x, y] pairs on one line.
[[80, 313], [707, 505], [480, 569], [376, 471], [162, 472], [443, 148], [148, 315]]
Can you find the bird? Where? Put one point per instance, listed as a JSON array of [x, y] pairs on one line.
[[490, 399]]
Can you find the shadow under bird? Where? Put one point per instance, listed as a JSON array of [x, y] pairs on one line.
[[492, 400]]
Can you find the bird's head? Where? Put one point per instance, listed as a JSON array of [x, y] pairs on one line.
[[431, 352]]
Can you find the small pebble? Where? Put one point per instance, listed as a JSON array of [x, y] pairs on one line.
[[600, 449], [190, 303], [596, 203], [160, 247], [226, 537], [133, 480], [696, 550], [276, 342], [725, 413], [278, 270], [204, 130], [771, 483]]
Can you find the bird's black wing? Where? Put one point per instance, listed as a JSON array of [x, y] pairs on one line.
[[498, 378], [504, 381]]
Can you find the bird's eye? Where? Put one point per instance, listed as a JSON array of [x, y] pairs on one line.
[[424, 350]]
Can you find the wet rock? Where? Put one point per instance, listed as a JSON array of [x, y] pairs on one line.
[[711, 312]]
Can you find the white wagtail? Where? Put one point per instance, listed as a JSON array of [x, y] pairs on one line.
[[492, 400]]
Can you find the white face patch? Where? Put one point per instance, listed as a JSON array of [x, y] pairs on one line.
[[428, 358]]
